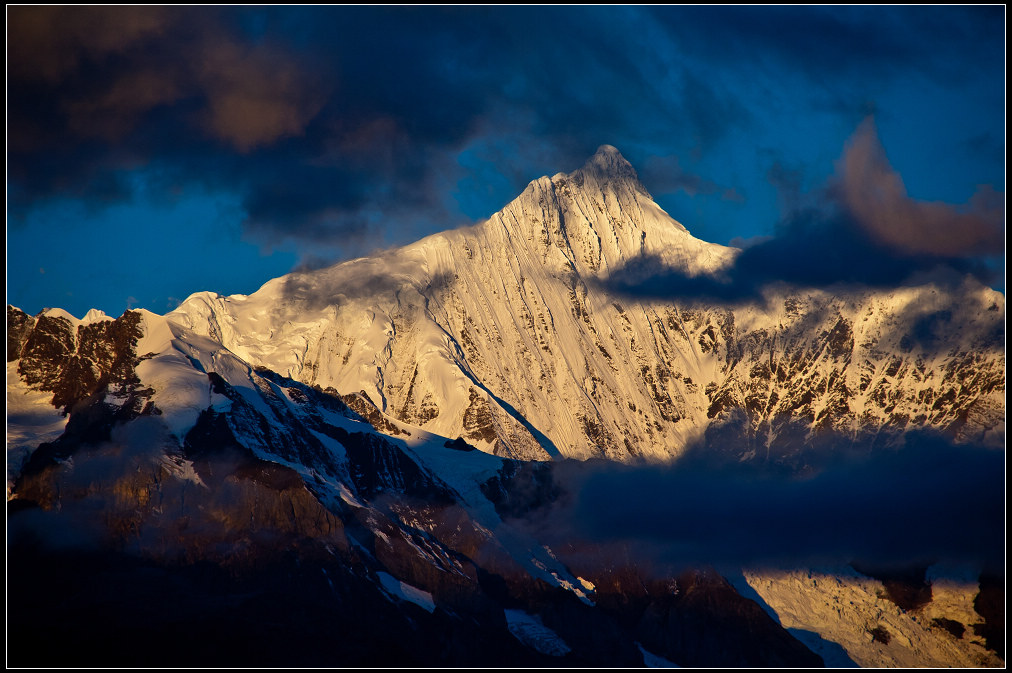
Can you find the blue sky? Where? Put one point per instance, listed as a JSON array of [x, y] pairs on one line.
[[156, 152]]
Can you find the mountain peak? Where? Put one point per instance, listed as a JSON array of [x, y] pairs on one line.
[[608, 162]]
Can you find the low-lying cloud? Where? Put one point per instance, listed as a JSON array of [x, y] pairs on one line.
[[928, 502]]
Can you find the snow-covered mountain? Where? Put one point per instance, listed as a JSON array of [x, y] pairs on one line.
[[373, 439], [502, 333]]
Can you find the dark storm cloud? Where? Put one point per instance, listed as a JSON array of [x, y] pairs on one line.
[[96, 93], [860, 230], [927, 502], [324, 118], [533, 90], [329, 120], [49, 43], [101, 70], [829, 42]]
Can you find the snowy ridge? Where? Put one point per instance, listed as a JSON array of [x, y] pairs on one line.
[[92, 316]]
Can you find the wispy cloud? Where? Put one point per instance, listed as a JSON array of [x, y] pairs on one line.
[[874, 195]]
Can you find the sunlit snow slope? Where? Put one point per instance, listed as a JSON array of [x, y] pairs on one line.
[[500, 333]]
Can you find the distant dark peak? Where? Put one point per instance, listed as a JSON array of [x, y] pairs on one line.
[[608, 163]]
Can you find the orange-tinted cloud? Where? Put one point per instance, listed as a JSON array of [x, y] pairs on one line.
[[255, 94], [250, 95], [875, 196]]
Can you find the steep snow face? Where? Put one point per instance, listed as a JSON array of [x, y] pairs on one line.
[[500, 333], [494, 332]]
